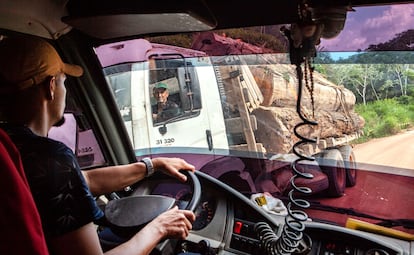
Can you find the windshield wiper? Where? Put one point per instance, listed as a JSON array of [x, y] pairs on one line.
[[406, 223]]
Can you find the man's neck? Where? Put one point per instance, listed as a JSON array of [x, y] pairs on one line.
[[40, 124], [40, 130]]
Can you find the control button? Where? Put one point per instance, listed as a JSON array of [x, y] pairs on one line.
[[245, 230], [237, 227]]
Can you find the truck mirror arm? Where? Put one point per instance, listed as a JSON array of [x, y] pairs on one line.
[[163, 129]]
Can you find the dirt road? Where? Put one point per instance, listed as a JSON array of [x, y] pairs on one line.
[[396, 151]]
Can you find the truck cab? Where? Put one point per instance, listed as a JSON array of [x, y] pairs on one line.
[[257, 191], [208, 118], [191, 84]]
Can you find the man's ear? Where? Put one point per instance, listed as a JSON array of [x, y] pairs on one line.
[[50, 87]]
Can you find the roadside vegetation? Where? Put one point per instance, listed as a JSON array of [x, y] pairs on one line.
[[386, 117], [382, 82], [384, 94]]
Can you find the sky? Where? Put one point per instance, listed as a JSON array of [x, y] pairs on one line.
[[365, 26]]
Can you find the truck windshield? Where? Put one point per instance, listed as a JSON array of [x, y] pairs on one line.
[[341, 116]]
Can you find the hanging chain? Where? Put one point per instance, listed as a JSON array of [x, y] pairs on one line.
[[309, 79], [302, 48]]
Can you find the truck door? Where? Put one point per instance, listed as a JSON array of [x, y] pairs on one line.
[[185, 115], [127, 82]]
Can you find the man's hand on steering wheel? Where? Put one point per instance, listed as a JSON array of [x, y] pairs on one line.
[[172, 167], [174, 223], [165, 222]]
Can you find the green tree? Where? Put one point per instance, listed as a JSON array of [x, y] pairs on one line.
[[362, 79]]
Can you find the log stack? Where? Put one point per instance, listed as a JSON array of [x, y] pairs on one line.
[[333, 108]]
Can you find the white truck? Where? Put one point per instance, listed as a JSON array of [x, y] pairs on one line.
[[220, 101]]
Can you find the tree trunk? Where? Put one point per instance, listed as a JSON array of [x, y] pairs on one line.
[[279, 87], [280, 122]]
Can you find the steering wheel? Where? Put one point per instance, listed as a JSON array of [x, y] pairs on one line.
[[196, 187], [168, 246], [127, 215]]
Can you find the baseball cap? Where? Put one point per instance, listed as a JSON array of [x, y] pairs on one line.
[[161, 86], [28, 61]]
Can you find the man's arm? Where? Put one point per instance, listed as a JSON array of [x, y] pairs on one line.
[[114, 178], [173, 223]]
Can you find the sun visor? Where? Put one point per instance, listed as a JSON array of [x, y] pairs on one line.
[[109, 19]]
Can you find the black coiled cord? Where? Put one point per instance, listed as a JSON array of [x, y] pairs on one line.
[[292, 234], [270, 244], [294, 223], [267, 237]]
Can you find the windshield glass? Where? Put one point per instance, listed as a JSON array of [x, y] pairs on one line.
[[345, 115]]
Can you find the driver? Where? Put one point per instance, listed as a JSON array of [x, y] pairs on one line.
[[164, 109], [32, 96]]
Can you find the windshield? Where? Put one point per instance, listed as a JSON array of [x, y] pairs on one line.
[[344, 115]]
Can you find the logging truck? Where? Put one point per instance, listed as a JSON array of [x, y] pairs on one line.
[[221, 101]]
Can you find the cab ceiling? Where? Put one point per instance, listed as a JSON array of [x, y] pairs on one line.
[[102, 18]]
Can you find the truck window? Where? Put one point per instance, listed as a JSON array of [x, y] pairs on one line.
[[165, 100], [78, 135], [174, 90], [119, 78], [138, 86]]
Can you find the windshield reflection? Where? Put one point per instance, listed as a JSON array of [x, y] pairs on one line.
[[239, 95]]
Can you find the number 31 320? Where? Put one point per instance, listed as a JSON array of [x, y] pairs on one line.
[[165, 141]]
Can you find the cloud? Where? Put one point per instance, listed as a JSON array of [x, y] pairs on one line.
[[371, 25]]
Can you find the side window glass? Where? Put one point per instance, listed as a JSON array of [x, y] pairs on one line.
[[67, 133], [138, 88], [165, 101], [80, 140], [119, 78], [174, 91]]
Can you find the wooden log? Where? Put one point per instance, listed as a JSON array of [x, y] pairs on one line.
[[273, 133], [276, 124], [279, 87]]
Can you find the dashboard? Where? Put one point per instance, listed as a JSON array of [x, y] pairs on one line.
[[227, 223]]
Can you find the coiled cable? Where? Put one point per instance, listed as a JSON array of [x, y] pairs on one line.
[[294, 223], [292, 233], [267, 237], [292, 237]]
